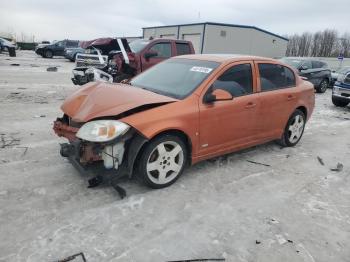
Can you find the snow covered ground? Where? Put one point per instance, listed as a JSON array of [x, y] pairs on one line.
[[295, 209]]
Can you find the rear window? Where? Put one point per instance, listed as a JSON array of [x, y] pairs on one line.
[[183, 49], [274, 76]]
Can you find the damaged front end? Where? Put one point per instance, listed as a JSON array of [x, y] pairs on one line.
[[106, 149], [105, 60]]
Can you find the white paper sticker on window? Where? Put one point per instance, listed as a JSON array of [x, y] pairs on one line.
[[200, 69]]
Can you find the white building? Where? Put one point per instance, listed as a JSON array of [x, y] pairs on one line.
[[217, 38]]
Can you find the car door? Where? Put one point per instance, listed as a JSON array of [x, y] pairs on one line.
[[277, 98], [318, 73], [59, 48], [226, 125], [163, 50], [307, 70]]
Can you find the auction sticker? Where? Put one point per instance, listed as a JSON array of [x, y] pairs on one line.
[[200, 69]]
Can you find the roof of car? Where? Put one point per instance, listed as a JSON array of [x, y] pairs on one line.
[[220, 58], [303, 58]]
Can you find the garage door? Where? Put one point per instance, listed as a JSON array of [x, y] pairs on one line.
[[196, 41], [171, 36]]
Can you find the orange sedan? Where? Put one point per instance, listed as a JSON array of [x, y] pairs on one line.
[[184, 110]]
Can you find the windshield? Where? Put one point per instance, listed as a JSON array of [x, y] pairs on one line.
[[137, 45], [176, 78], [292, 62]]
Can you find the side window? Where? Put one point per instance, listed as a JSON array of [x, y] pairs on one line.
[[274, 76], [72, 44], [182, 49], [316, 64], [60, 44], [324, 65], [307, 63], [237, 80], [163, 49]]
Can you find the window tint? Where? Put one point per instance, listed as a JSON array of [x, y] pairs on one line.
[[182, 49], [316, 64], [163, 49], [72, 44], [237, 80], [61, 43], [307, 63], [273, 76]]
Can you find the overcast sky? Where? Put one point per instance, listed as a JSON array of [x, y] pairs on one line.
[[88, 19]]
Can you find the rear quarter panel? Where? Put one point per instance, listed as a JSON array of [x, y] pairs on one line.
[[306, 97]]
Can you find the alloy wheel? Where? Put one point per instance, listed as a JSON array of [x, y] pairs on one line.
[[324, 86], [165, 162], [295, 129]]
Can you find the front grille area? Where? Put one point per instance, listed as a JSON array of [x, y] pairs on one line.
[[87, 60]]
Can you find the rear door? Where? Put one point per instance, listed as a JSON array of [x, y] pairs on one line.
[[309, 72], [278, 97], [164, 51]]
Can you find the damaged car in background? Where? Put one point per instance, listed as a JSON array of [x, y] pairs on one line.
[[167, 117], [115, 60]]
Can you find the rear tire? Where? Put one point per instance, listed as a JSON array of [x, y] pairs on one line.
[[294, 129], [339, 102], [322, 87], [48, 54], [162, 161]]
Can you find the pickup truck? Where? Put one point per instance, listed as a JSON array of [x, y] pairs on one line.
[[315, 71], [115, 60]]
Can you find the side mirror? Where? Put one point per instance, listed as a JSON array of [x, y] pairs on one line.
[[150, 54], [217, 95]]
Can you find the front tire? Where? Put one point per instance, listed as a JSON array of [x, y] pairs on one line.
[[162, 161], [294, 129], [48, 54], [339, 102], [322, 87]]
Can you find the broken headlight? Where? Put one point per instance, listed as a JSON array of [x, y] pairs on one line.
[[102, 130]]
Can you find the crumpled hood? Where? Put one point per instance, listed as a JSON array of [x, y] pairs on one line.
[[98, 99]]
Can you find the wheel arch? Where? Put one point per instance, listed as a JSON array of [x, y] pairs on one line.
[[303, 109], [177, 132]]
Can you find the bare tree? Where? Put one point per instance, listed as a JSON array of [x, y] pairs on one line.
[[322, 43]]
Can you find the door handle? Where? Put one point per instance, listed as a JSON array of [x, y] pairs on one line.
[[290, 97], [250, 105]]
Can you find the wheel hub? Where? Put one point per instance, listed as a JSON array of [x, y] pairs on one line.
[[165, 162]]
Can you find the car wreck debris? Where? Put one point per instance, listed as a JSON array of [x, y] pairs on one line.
[[73, 257], [8, 141], [51, 69], [257, 163], [320, 160], [339, 168]]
